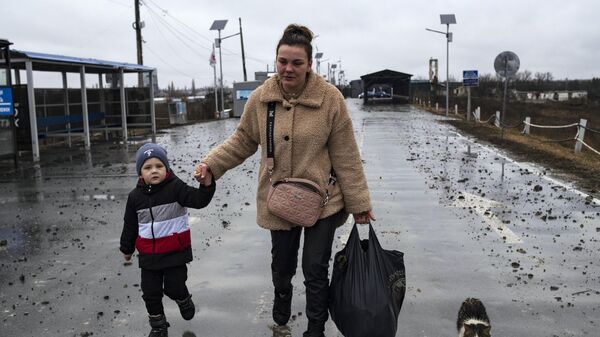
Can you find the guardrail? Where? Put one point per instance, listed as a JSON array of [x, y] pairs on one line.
[[496, 120], [578, 138]]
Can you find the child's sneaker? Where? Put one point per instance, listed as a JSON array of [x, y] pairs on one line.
[[187, 308], [159, 326]]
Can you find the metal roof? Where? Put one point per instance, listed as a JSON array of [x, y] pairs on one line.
[[60, 63], [387, 74], [4, 43]]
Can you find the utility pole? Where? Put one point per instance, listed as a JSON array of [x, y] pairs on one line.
[[137, 25], [243, 56]]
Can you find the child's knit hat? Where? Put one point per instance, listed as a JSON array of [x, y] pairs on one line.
[[147, 151]]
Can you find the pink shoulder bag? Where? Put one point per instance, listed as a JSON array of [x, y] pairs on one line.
[[299, 201]]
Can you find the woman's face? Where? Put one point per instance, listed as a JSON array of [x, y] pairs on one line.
[[292, 66]]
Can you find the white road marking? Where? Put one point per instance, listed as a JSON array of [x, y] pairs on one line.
[[482, 206]]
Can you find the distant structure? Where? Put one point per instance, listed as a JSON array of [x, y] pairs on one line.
[[433, 70], [242, 90], [356, 87], [386, 86], [555, 95]]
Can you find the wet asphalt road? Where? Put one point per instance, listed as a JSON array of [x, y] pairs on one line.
[[471, 224]]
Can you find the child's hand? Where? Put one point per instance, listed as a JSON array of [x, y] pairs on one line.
[[203, 174], [127, 257]]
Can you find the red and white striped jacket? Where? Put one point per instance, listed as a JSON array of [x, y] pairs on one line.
[[156, 221]]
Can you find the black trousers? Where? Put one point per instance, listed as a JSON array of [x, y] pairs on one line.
[[167, 281], [318, 240]]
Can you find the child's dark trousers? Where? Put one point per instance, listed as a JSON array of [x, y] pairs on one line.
[[168, 281]]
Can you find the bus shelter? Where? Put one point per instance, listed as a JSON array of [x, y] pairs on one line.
[[68, 113]]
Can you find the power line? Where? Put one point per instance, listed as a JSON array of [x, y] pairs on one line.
[[167, 63], [176, 33], [166, 12], [173, 50], [120, 3], [172, 28], [229, 52]]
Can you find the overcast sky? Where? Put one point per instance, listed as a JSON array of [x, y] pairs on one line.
[[561, 37]]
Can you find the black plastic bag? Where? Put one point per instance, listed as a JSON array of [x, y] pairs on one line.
[[367, 288]]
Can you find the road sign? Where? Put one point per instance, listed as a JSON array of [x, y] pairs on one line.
[[6, 102], [507, 64], [470, 78]]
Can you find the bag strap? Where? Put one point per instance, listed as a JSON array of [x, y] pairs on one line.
[[270, 143], [271, 153]]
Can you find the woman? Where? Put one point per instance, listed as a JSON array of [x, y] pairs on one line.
[[312, 134]]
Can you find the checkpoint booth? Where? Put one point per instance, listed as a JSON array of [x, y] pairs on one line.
[[77, 114]]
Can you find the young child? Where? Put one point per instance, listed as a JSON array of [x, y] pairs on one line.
[[156, 224]]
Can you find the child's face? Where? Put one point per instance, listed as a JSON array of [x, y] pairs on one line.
[[153, 171]]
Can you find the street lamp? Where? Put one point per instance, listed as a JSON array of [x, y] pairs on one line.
[[332, 78], [318, 56], [219, 25], [446, 19]]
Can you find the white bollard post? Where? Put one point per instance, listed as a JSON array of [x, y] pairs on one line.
[[526, 129], [497, 121], [582, 124], [437, 106], [456, 109], [478, 115]]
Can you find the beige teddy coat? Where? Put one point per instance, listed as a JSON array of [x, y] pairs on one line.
[[311, 133]]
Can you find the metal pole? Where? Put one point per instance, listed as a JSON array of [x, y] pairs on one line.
[[152, 108], [447, 66], [123, 105], [84, 109], [216, 91], [221, 70], [503, 117], [66, 106], [15, 119], [468, 103], [8, 74], [138, 38], [243, 55], [35, 146]]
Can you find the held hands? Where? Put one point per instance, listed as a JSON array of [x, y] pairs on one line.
[[364, 217], [203, 175], [127, 257]]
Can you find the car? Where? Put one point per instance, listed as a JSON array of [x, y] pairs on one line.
[[375, 94]]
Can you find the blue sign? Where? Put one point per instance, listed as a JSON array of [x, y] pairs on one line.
[[470, 78], [470, 74], [6, 102], [468, 82]]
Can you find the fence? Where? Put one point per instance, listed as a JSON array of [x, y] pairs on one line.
[[495, 119]]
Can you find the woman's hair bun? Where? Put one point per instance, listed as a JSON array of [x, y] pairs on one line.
[[295, 29]]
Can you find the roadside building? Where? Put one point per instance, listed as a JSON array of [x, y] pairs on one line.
[[386, 86], [67, 113]]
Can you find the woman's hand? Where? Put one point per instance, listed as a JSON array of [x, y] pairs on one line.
[[203, 174], [364, 217]]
